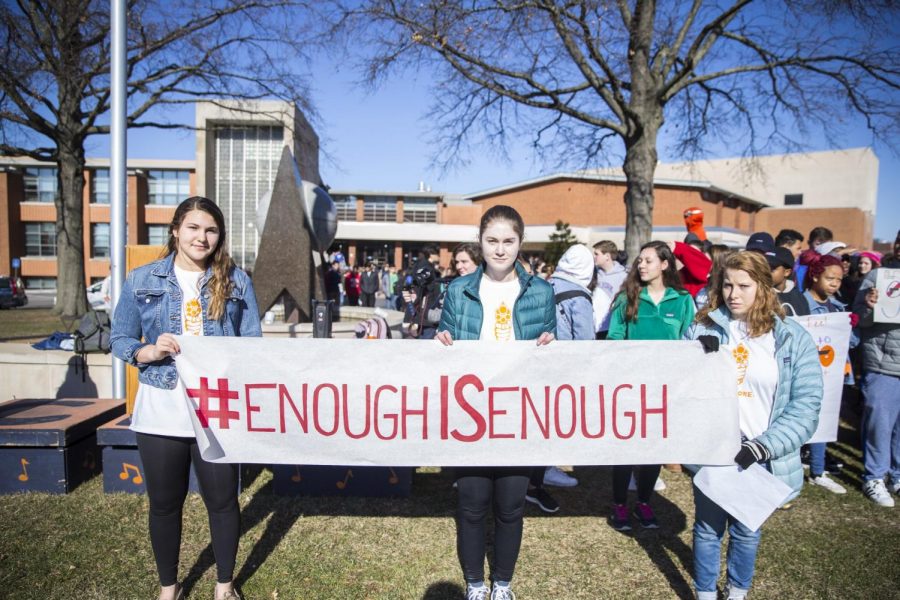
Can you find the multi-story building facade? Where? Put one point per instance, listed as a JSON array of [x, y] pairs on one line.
[[28, 190]]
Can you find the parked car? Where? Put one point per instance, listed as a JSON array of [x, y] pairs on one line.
[[12, 292], [98, 295]]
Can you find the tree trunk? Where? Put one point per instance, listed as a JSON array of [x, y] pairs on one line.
[[640, 165], [644, 119], [71, 292]]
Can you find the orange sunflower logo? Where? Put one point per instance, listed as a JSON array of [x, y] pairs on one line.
[[502, 323], [742, 359]]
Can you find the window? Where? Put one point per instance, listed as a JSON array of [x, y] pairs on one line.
[[793, 199], [346, 207], [40, 184], [157, 235], [40, 239], [380, 209], [168, 187], [100, 240], [420, 210], [40, 283], [100, 186]]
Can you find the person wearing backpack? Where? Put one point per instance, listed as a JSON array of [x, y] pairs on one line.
[[195, 289]]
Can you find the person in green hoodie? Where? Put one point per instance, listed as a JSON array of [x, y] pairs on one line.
[[652, 305]]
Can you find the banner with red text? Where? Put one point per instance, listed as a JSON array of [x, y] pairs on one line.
[[418, 403], [831, 333]]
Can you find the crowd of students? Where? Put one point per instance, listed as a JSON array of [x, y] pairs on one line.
[[684, 290]]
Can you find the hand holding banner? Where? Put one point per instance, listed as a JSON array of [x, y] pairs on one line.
[[384, 402]]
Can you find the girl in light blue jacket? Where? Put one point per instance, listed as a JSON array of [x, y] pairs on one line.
[[779, 394]]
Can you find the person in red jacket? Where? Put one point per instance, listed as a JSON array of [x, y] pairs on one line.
[[696, 265]]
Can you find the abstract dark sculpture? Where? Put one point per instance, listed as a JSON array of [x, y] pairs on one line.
[[289, 248]]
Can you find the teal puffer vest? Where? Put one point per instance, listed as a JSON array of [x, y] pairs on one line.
[[533, 314]]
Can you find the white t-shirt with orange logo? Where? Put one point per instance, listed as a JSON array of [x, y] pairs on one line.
[[497, 301], [165, 412], [757, 377], [191, 310]]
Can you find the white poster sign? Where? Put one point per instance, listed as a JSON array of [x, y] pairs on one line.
[[831, 333], [418, 403], [749, 495], [887, 309]]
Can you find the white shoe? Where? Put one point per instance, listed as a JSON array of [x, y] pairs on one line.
[[659, 486], [558, 478], [502, 593], [829, 484], [877, 493], [477, 593], [895, 486]]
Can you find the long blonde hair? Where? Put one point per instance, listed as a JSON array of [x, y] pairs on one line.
[[220, 283], [761, 317]]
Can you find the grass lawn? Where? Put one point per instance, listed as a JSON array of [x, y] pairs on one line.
[[89, 545], [28, 324]]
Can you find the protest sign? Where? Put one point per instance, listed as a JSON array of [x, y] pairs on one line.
[[887, 309], [831, 334], [383, 402]]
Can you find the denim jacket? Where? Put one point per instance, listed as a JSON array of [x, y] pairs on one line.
[[150, 305]]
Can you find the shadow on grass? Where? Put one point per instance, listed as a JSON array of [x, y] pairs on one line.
[[444, 590]]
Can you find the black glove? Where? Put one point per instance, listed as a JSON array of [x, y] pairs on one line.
[[710, 343], [751, 452]]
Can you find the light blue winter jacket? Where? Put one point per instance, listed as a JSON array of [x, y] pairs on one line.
[[795, 412], [150, 305]]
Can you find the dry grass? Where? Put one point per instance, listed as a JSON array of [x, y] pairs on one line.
[[29, 324], [89, 545]]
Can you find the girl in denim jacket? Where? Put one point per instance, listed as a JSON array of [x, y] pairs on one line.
[[194, 290]]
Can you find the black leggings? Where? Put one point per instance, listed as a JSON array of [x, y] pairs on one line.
[[644, 474], [477, 486], [167, 461]]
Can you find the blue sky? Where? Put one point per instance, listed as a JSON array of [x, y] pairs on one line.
[[379, 141]]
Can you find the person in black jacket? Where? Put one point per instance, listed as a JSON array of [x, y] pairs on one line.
[[368, 285], [781, 261]]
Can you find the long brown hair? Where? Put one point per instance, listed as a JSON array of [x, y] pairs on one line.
[[761, 317], [220, 283], [633, 284]]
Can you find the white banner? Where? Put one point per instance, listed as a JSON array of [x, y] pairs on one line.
[[887, 309], [831, 333], [418, 403]]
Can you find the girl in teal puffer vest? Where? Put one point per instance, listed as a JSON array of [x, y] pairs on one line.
[[498, 302]]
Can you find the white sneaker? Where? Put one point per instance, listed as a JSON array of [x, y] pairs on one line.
[[895, 486], [558, 478], [659, 486], [829, 484], [502, 593], [877, 493], [477, 593]]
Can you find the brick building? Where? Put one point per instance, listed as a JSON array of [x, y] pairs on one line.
[[28, 189]]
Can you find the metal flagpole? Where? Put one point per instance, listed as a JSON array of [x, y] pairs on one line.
[[117, 175]]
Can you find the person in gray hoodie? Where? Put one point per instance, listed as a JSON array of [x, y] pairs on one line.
[[610, 277], [572, 281]]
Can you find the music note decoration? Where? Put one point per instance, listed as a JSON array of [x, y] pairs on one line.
[[296, 478], [343, 484], [126, 469], [393, 479], [23, 476]]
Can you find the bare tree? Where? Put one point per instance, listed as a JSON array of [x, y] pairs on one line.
[[588, 80], [54, 84]]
